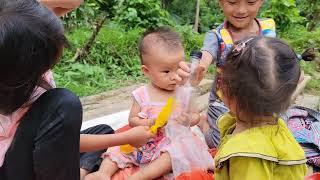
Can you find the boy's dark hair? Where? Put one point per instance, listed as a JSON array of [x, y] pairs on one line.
[[165, 35], [261, 76], [31, 43]]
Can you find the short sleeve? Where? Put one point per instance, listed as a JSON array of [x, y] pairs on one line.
[[139, 95], [210, 44]]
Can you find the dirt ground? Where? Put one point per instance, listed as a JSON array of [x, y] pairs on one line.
[[119, 100]]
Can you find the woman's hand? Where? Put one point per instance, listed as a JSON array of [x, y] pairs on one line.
[[138, 136]]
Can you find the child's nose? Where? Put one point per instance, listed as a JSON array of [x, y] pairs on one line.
[[242, 9], [174, 76]]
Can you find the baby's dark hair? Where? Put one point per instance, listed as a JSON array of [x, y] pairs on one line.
[[163, 35], [31, 42], [261, 75]]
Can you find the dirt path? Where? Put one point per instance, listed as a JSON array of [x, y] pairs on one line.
[[119, 100]]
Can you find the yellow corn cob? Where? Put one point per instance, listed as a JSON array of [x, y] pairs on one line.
[[161, 121], [163, 116]]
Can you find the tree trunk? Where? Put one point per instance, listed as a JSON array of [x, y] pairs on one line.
[[82, 52], [196, 21]]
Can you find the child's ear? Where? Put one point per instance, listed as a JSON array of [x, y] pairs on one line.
[[145, 70]]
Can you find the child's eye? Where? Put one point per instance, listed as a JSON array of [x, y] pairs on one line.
[[166, 72], [232, 2], [252, 2]]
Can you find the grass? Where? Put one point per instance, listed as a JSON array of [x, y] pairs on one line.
[[113, 61]]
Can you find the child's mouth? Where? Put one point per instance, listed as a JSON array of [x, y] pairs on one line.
[[240, 18]]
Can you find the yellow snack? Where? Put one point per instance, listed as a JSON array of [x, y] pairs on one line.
[[126, 149], [161, 121], [163, 116]]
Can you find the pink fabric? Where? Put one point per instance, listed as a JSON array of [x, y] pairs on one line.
[[152, 149], [9, 123]]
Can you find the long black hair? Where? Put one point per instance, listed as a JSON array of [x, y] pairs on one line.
[[31, 42]]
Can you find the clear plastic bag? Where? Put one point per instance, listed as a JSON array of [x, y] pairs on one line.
[[187, 151]]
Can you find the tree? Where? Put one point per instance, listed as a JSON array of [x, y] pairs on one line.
[[196, 21]]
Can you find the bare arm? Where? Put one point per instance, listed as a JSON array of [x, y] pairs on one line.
[[136, 137], [135, 120]]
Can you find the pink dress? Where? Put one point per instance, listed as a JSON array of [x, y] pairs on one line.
[[154, 147], [187, 151], [9, 123]]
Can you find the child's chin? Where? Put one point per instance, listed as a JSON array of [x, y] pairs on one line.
[[170, 88]]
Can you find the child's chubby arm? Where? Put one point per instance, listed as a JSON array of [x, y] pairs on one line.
[[135, 120]]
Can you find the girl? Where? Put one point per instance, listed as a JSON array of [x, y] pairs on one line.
[[161, 51], [39, 124], [255, 142], [240, 22]]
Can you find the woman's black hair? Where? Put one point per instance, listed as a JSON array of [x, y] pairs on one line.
[[31, 42]]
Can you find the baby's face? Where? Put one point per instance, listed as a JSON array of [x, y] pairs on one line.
[[240, 13], [162, 66]]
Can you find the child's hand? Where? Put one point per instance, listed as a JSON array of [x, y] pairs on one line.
[[184, 73], [151, 122], [184, 119], [138, 136]]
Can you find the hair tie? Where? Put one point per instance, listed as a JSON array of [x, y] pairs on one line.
[[238, 48]]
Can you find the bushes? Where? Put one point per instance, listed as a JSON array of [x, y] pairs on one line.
[[300, 39], [113, 60]]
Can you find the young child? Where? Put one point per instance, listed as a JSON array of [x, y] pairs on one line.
[[240, 22], [161, 51], [255, 142]]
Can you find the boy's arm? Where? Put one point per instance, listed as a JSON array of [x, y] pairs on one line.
[[209, 49], [134, 119]]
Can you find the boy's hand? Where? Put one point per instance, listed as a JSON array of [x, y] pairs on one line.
[[138, 136], [184, 73], [200, 72]]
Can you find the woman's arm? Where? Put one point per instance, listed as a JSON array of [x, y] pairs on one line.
[[137, 137]]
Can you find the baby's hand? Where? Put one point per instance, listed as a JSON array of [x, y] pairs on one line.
[[138, 136], [150, 122]]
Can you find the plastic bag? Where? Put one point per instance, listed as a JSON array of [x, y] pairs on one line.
[[187, 151]]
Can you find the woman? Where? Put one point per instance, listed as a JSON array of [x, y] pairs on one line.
[[39, 132]]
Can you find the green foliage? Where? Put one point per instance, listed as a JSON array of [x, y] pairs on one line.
[[300, 39], [311, 10], [183, 13], [191, 40], [284, 12], [211, 15], [113, 60], [141, 13]]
